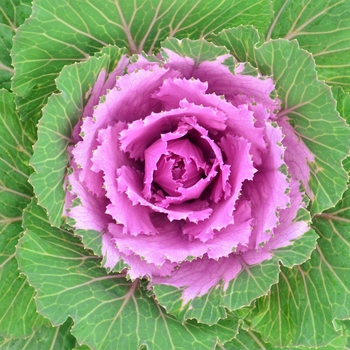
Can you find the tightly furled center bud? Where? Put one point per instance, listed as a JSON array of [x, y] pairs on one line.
[[178, 172], [182, 166]]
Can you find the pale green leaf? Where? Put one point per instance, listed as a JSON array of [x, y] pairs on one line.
[[12, 15], [82, 347], [199, 50], [343, 107], [17, 308], [303, 307], [69, 31], [46, 338], [248, 340], [346, 325], [323, 28], [343, 102], [108, 311], [203, 51]]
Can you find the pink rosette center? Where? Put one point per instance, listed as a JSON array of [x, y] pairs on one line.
[[184, 173]]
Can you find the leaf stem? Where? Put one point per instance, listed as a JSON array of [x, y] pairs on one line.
[[7, 69], [13, 27], [268, 36], [295, 32], [256, 339], [132, 45]]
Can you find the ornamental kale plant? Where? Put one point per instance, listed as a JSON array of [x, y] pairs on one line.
[[174, 174]]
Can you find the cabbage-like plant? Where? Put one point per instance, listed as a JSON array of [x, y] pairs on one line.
[[174, 174]]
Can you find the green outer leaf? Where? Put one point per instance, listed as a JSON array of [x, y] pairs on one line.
[[249, 340], [323, 28], [17, 309], [301, 309], [61, 114], [346, 324], [61, 33], [308, 104], [45, 338], [343, 102], [82, 347], [343, 107], [198, 50], [108, 311], [12, 15], [251, 282], [202, 51]]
